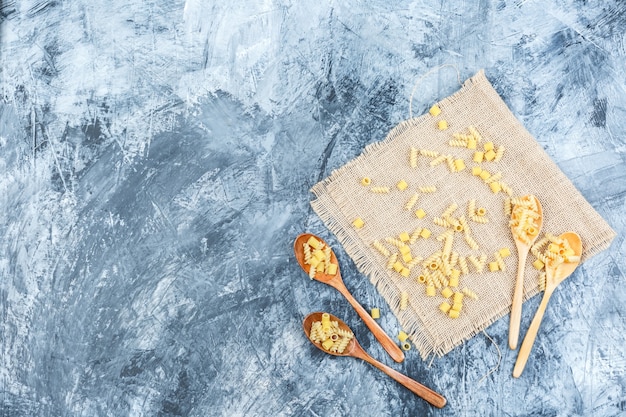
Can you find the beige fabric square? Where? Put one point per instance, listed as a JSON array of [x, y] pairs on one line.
[[524, 166]]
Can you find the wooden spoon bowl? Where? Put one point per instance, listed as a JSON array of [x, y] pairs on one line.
[[355, 350], [336, 282]]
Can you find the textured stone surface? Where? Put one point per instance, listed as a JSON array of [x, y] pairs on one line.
[[155, 162]]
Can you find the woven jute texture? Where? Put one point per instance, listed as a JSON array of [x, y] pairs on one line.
[[525, 167]]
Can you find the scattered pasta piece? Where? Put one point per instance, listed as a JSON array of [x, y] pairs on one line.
[[505, 187], [409, 204], [380, 190], [415, 235], [475, 133], [471, 207], [404, 236], [458, 143], [375, 313], [431, 291], [495, 187], [469, 293], [434, 111], [402, 185], [392, 260], [499, 153], [476, 171], [395, 242], [406, 346], [429, 153], [478, 156], [488, 146], [538, 264], [500, 261], [493, 266], [366, 181], [504, 252], [459, 165], [438, 160], [358, 223], [420, 213], [425, 233], [450, 163], [447, 292], [442, 125], [381, 248], [454, 314], [490, 155], [428, 189], [471, 143], [463, 265], [454, 278], [445, 307], [402, 336], [479, 219]]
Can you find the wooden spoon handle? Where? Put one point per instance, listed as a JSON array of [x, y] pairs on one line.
[[529, 339], [418, 389], [516, 308], [387, 343]]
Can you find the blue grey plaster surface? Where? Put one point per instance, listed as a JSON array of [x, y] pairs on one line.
[[155, 162]]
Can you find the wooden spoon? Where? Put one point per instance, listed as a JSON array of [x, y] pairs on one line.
[[355, 350], [522, 252], [554, 276], [336, 282]]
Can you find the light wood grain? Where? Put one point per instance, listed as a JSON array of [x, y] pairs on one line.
[[554, 276], [518, 292]]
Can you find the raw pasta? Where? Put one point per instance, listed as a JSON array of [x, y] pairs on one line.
[[469, 293], [319, 260], [409, 204], [499, 153], [428, 189], [381, 248], [458, 143], [329, 335], [428, 153], [404, 300], [438, 160], [395, 242], [525, 218], [380, 190]]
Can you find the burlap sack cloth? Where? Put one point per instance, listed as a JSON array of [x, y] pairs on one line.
[[525, 167]]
